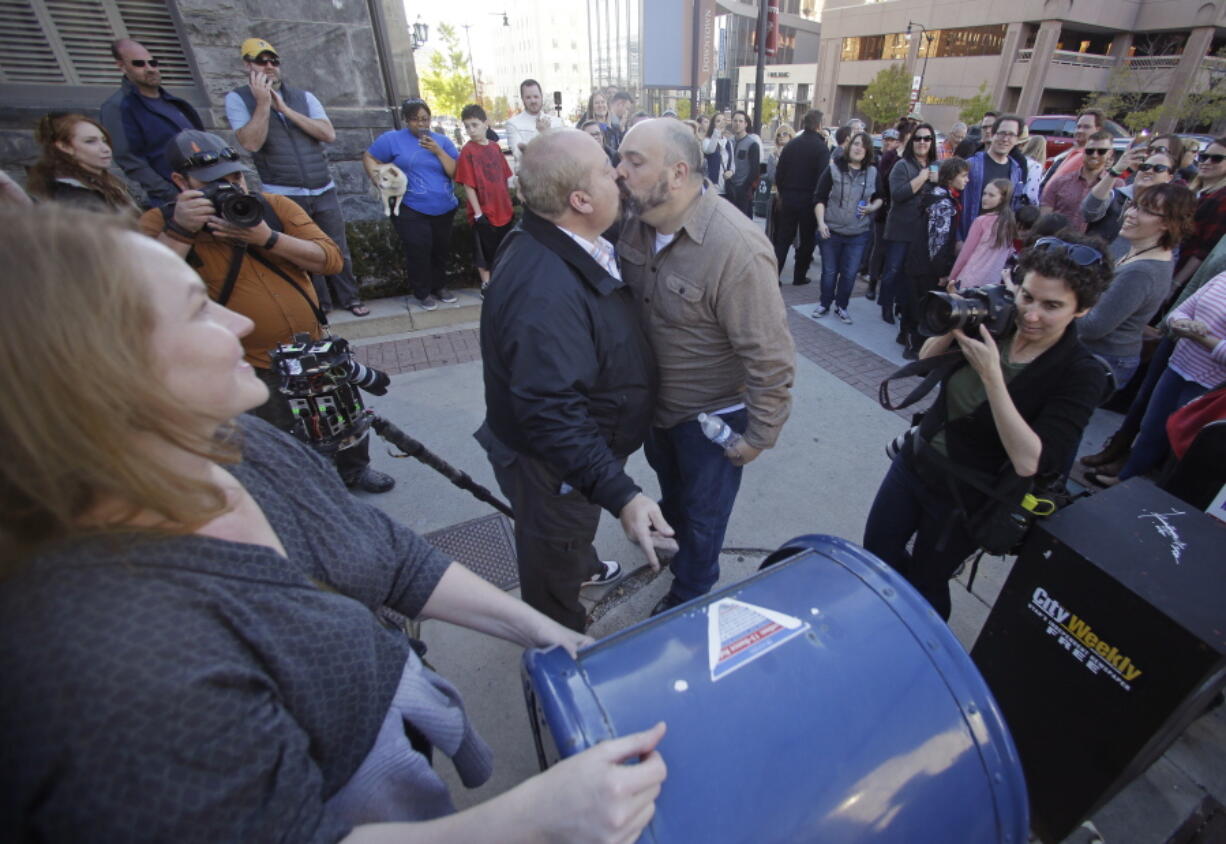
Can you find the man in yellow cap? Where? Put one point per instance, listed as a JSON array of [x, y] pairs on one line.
[[285, 130]]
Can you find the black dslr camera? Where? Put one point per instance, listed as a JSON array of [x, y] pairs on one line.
[[990, 305], [234, 205], [320, 378]]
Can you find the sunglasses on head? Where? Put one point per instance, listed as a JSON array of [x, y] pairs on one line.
[[1157, 168], [1080, 254], [1160, 148], [143, 62], [205, 159], [265, 60], [1206, 157], [1096, 151]]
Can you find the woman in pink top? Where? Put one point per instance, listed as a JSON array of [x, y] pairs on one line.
[[1197, 365], [989, 243]]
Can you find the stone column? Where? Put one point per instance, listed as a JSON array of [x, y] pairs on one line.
[[826, 84], [404, 68], [1183, 77], [1008, 55], [1036, 75], [913, 48], [1120, 45]]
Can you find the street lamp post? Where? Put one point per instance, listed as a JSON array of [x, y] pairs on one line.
[[471, 69], [420, 34], [927, 54]]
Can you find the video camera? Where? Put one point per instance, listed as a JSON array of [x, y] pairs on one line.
[[233, 204], [320, 379], [991, 305]]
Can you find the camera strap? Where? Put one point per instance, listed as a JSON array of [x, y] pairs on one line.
[[236, 264], [320, 316], [933, 370]]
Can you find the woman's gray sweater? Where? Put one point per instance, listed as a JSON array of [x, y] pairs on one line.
[[1114, 325]]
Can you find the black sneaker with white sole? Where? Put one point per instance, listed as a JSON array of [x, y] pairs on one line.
[[612, 573], [446, 296]]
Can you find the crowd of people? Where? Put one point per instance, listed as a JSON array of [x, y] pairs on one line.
[[173, 556]]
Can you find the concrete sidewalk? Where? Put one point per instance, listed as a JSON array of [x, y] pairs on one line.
[[821, 478]]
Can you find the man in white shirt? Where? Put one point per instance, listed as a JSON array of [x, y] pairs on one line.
[[530, 122]]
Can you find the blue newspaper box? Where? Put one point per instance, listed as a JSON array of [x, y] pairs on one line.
[[821, 700]]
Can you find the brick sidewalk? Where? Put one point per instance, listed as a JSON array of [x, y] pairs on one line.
[[839, 356]]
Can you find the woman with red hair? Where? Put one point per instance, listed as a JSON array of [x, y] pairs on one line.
[[73, 166]]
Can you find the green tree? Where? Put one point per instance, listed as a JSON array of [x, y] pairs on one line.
[[683, 109], [1207, 108], [448, 84], [770, 107], [886, 97], [500, 110], [974, 108]]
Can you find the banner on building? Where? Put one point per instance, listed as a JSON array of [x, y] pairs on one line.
[[772, 28], [669, 46]]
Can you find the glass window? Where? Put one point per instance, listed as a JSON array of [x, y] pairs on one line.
[[895, 47], [959, 43]]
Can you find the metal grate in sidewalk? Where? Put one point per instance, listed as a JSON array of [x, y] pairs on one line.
[[485, 545]]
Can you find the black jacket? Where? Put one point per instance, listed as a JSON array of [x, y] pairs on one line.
[[570, 378], [801, 163], [1055, 394]]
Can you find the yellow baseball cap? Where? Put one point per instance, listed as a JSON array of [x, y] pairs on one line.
[[252, 48]]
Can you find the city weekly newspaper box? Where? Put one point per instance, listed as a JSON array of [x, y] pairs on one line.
[[1105, 643], [820, 700]]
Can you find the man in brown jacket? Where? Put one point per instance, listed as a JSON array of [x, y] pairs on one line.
[[706, 283]]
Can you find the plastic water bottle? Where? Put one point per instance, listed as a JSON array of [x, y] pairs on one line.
[[718, 431]]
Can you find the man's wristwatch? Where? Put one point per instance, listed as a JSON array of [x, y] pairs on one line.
[[272, 240]]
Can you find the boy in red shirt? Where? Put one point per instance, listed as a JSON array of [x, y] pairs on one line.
[[482, 170]]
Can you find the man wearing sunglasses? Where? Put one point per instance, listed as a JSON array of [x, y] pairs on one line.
[[1064, 194], [285, 130], [141, 118]]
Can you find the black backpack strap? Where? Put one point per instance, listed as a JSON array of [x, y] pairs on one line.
[[934, 369]]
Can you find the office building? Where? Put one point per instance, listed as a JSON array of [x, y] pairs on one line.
[[1035, 56]]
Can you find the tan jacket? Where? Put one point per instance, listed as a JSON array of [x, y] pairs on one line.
[[259, 294], [711, 306]]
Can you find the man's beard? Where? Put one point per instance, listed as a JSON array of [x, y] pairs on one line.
[[633, 206]]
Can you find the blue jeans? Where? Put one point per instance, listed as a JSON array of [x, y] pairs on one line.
[[1122, 368], [840, 262], [698, 486], [907, 507], [1172, 392], [893, 286]]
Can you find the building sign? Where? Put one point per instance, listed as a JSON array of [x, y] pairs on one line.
[[669, 49]]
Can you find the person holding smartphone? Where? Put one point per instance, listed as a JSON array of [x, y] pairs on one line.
[[428, 161]]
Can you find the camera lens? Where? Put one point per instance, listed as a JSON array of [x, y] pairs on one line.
[[242, 210], [941, 313]]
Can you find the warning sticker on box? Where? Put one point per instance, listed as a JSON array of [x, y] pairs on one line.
[[738, 633]]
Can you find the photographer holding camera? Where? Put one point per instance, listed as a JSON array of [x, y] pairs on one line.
[[1015, 397], [254, 252]]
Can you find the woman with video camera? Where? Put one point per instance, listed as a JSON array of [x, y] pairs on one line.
[[1010, 412], [193, 651]]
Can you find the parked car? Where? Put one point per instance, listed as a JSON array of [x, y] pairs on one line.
[[1058, 129]]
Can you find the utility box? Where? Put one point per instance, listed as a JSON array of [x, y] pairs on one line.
[[821, 700], [1107, 640]]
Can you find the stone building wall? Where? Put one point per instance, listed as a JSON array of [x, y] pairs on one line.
[[328, 48]]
